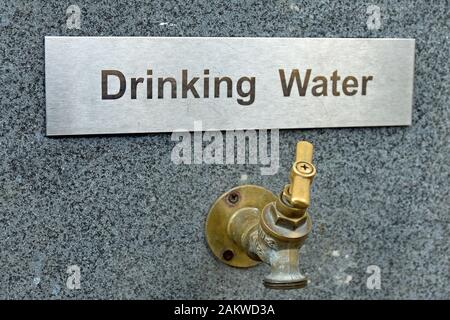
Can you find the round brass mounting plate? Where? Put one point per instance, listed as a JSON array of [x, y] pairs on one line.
[[224, 248]]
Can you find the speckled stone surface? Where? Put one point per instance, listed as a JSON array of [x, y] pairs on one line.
[[133, 221]]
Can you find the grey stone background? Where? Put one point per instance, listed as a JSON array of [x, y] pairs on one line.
[[133, 221]]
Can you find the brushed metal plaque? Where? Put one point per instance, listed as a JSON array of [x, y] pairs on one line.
[[107, 85]]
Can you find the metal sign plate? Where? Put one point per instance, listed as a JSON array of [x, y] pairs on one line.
[[106, 85]]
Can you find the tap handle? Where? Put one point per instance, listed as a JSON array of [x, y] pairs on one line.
[[302, 174]]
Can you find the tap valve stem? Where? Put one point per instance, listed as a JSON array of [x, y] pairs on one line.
[[297, 193]]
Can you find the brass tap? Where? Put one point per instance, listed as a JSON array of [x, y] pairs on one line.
[[249, 224]]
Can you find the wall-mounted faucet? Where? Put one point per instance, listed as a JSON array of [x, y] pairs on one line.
[[249, 224]]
